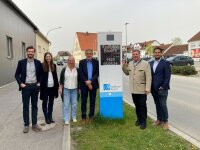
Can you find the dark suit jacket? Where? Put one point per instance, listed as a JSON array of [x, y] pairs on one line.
[[20, 74], [83, 73], [43, 85], [161, 77]]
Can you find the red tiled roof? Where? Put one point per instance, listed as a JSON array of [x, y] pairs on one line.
[[164, 47], [196, 37], [178, 49], [87, 40]]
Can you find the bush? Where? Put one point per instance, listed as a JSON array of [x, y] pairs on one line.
[[183, 70]]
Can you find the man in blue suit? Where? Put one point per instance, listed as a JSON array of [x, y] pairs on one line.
[[29, 75], [88, 73], [161, 73]]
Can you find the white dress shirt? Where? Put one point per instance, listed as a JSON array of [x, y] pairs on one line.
[[50, 80], [71, 78]]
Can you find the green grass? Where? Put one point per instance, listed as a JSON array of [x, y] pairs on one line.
[[107, 134]]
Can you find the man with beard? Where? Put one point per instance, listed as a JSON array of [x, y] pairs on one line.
[[160, 69], [29, 75]]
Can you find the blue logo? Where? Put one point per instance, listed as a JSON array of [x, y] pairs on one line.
[[106, 87]]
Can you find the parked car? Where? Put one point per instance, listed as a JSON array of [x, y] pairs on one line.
[[59, 62], [180, 60]]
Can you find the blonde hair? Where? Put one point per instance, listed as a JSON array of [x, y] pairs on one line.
[[72, 59]]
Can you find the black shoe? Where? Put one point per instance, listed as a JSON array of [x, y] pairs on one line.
[[143, 126], [51, 120], [47, 121], [137, 123]]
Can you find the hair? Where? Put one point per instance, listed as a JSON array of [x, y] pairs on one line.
[[161, 50], [87, 50], [30, 47], [136, 51], [46, 65], [70, 56]]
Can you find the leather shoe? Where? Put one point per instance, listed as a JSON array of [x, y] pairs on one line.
[[83, 121], [47, 121], [51, 120], [90, 120], [137, 123], [36, 127], [143, 126], [26, 129]]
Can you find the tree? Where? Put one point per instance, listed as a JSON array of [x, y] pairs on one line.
[[149, 50], [177, 41]]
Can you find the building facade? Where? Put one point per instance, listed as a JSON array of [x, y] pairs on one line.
[[82, 42], [194, 47], [16, 33]]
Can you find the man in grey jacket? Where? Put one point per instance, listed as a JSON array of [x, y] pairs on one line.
[[139, 72]]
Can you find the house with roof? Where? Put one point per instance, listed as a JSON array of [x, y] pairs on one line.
[[194, 47], [176, 50], [82, 42], [17, 32], [146, 48]]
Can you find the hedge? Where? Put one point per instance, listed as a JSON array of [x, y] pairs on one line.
[[183, 70]]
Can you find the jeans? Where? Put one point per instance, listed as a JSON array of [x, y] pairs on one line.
[[160, 99], [47, 104], [140, 107], [70, 100], [27, 93]]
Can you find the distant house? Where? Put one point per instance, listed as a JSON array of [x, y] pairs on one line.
[[146, 47], [17, 32], [42, 45], [82, 42], [176, 49], [194, 47]]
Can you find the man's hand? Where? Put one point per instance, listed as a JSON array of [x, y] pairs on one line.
[[22, 85], [147, 92], [90, 87], [88, 82], [60, 90]]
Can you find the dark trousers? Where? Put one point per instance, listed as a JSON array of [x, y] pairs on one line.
[[47, 104], [84, 96], [27, 93], [160, 99], [140, 106]]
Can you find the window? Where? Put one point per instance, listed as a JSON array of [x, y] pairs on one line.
[[39, 49], [9, 47], [110, 37], [192, 45], [23, 50]]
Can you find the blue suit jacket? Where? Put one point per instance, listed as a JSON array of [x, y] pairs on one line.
[[20, 74], [83, 73], [161, 77]]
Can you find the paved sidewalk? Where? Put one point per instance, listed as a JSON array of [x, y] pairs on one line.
[[11, 125]]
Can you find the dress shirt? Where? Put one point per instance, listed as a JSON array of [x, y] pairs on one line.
[[30, 72], [71, 78], [89, 69], [50, 80], [155, 64]]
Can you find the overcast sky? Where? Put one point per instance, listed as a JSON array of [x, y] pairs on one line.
[[159, 20]]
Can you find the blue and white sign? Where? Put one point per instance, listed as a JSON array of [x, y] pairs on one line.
[[110, 74]]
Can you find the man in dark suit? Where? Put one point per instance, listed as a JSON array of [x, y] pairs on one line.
[[161, 73], [88, 73], [29, 75]]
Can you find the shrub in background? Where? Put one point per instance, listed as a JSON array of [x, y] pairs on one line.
[[183, 70]]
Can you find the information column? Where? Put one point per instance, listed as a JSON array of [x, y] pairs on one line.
[[110, 74]]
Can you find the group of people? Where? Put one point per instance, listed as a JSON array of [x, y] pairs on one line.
[[145, 78], [35, 77]]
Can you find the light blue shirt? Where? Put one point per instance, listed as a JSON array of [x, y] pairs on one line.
[[89, 69], [155, 64]]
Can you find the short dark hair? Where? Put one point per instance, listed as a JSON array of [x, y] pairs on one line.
[[30, 47], [161, 50]]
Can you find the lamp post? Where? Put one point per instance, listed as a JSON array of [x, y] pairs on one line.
[[52, 30], [126, 38]]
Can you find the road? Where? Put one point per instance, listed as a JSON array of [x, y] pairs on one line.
[[183, 104]]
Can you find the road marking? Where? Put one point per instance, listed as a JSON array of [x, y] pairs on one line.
[[173, 129]]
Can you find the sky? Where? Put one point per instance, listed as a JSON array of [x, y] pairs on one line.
[[160, 20]]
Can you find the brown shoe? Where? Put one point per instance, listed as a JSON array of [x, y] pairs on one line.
[[83, 121], [165, 126], [90, 120], [36, 128], [157, 123]]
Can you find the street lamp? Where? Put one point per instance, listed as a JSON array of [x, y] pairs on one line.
[[52, 30], [126, 38]]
